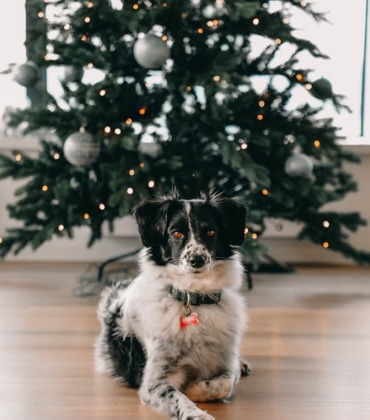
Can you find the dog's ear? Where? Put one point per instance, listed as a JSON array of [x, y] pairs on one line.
[[151, 217], [233, 214]]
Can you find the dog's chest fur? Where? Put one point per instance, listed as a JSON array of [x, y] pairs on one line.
[[153, 316], [175, 330]]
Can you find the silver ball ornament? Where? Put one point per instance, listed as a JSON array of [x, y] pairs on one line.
[[26, 74], [299, 165], [81, 149], [151, 52]]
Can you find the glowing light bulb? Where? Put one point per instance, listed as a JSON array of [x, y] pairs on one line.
[[151, 184], [130, 191], [60, 228], [256, 21], [254, 235], [131, 172], [325, 245], [317, 143], [86, 216], [299, 77], [259, 117], [265, 192], [326, 224], [44, 188], [18, 157], [101, 206]]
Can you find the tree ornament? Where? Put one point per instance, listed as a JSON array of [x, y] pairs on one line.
[[26, 74], [73, 73], [151, 52], [81, 149], [289, 139], [299, 165], [322, 89]]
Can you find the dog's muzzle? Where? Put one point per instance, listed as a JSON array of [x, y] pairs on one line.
[[197, 260]]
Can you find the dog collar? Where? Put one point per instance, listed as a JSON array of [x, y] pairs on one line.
[[191, 298]]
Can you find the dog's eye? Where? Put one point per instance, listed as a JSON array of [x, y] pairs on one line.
[[211, 233], [177, 234]]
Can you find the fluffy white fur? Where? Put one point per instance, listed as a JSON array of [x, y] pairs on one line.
[[178, 366]]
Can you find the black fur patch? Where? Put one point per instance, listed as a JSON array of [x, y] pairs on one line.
[[158, 219], [127, 356]]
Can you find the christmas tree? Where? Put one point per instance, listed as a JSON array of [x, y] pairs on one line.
[[158, 94]]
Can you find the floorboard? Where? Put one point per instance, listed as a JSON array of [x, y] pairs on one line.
[[308, 342]]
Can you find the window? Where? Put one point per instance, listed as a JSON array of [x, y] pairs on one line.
[[12, 52], [343, 40]]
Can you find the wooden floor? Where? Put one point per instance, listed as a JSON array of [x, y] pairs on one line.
[[308, 343]]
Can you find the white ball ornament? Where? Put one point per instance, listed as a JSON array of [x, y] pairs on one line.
[[299, 165], [151, 52], [81, 149], [26, 74]]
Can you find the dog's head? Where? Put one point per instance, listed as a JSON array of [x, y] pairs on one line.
[[191, 234]]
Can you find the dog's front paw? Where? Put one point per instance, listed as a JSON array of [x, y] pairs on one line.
[[245, 368], [203, 415]]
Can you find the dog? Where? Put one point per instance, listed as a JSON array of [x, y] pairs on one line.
[[174, 331]]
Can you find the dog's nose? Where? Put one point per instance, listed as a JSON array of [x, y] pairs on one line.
[[197, 260]]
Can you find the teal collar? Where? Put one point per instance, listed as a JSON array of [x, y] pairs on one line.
[[191, 298]]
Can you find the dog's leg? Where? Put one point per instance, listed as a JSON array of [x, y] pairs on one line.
[[245, 368], [157, 392], [219, 388]]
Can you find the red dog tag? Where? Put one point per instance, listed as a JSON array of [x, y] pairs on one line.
[[186, 320]]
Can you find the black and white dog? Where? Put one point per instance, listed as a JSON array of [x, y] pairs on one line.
[[175, 331]]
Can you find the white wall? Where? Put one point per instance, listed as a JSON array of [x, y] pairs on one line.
[[281, 242]]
